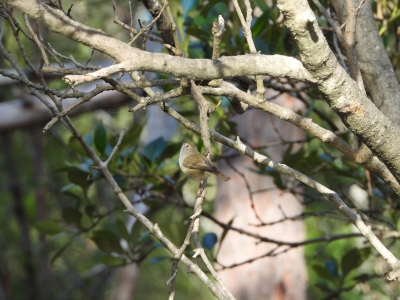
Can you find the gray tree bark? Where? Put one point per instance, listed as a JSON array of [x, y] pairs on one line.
[[379, 78]]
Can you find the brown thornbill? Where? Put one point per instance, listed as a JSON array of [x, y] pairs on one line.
[[195, 165]]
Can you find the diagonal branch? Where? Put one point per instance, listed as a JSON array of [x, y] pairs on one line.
[[164, 24], [363, 156], [342, 94], [350, 43], [330, 195], [204, 108], [246, 24]]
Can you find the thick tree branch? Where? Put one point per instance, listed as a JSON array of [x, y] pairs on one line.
[[247, 33], [377, 71], [350, 43], [165, 26], [205, 109], [365, 157], [359, 114], [135, 59]]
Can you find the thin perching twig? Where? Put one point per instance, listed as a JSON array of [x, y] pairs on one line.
[[246, 24], [142, 30], [178, 255], [246, 182], [199, 250], [204, 108], [114, 150]]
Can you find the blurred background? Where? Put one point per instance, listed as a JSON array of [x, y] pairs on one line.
[[64, 236]]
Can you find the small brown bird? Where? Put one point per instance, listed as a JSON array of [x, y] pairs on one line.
[[195, 165]]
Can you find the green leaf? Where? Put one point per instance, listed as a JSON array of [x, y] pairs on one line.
[[121, 180], [60, 251], [322, 272], [261, 24], [79, 177], [262, 5], [131, 137], [202, 23], [275, 13], [121, 228], [107, 241], [89, 210], [277, 177], [73, 191], [170, 150], [353, 259], [144, 236], [168, 169], [72, 215], [112, 261], [226, 127], [363, 277], [154, 149], [198, 33], [395, 16], [261, 45], [76, 146], [187, 113], [323, 286], [48, 227], [100, 138]]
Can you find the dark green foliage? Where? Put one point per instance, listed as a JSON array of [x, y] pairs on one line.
[[48, 227], [100, 138]]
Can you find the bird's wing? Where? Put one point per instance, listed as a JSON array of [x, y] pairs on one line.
[[204, 165]]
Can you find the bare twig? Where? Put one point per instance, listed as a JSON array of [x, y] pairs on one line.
[[36, 39], [151, 38], [204, 108], [89, 58], [350, 44], [339, 53], [280, 249], [114, 150], [75, 80], [217, 30], [85, 98], [199, 250], [246, 182], [246, 25], [173, 27], [178, 255], [157, 97], [328, 17], [144, 28]]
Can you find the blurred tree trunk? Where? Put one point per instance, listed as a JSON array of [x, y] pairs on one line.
[[16, 190], [45, 277], [128, 277], [282, 276]]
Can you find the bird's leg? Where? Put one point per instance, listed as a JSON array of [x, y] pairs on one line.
[[199, 199]]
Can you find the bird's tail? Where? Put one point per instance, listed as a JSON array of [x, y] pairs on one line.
[[222, 176]]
